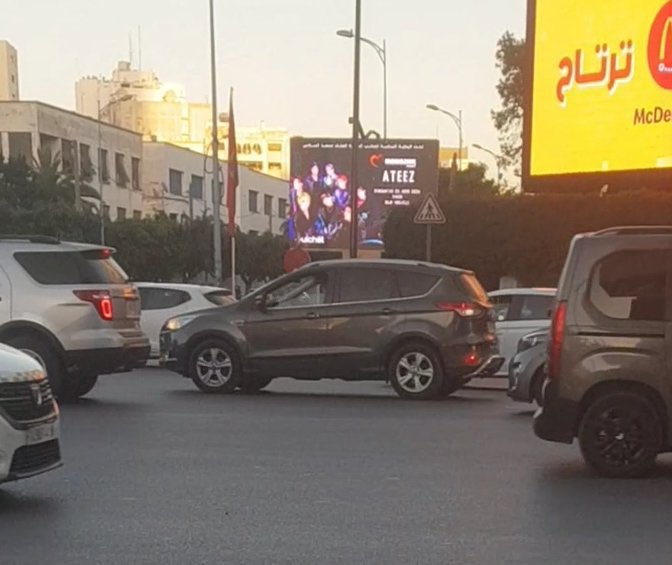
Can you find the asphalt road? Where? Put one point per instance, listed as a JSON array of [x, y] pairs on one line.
[[327, 472]]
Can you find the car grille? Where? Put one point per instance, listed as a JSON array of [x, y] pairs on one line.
[[31, 458], [26, 401]]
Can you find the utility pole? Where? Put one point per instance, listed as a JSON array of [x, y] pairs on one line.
[[216, 187], [354, 220]]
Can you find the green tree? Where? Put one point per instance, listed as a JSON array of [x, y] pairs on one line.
[[259, 257], [511, 55], [469, 181]]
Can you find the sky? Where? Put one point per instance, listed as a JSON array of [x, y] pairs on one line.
[[282, 57]]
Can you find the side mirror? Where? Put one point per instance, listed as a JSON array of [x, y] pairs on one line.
[[265, 301]]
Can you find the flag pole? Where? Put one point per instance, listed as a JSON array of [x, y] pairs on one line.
[[231, 192], [216, 187], [233, 265]]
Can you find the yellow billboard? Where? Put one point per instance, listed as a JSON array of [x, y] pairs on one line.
[[601, 99]]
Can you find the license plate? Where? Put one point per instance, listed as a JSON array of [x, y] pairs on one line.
[[38, 434]]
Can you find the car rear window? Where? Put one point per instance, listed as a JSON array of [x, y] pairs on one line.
[[71, 267], [219, 297], [536, 307], [630, 285], [415, 284], [474, 288], [162, 298]]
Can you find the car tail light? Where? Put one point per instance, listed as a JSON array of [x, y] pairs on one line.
[[472, 359], [557, 337], [463, 309], [100, 299]]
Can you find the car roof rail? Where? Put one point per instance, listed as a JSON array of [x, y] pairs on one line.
[[636, 230], [31, 238]]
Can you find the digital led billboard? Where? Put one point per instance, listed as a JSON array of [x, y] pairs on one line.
[[599, 104], [391, 173]]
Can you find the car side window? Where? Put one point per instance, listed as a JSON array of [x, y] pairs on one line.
[[536, 307], [299, 293], [366, 285], [502, 306], [631, 285], [162, 298], [413, 284]]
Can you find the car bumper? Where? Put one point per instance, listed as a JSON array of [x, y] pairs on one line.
[[20, 459], [556, 419], [172, 355], [109, 360]]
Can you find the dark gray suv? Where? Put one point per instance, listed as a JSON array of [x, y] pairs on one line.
[[610, 365], [426, 328]]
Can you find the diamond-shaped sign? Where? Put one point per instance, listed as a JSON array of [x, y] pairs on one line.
[[430, 212]]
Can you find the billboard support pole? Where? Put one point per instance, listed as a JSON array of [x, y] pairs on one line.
[[354, 220], [216, 187], [428, 251]]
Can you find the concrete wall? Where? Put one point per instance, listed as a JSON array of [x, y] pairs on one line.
[[9, 72]]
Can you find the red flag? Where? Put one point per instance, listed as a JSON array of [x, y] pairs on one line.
[[232, 171]]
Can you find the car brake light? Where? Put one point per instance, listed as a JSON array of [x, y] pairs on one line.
[[463, 309], [472, 359], [557, 338], [100, 299]]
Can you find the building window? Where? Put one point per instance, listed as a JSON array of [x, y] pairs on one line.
[[275, 166], [121, 177], [106, 211], [137, 214], [253, 232], [85, 163], [196, 187], [135, 173], [121, 213], [254, 165], [104, 166], [282, 208], [276, 147], [175, 181], [13, 79], [68, 156], [21, 146], [254, 201], [268, 205], [173, 217]]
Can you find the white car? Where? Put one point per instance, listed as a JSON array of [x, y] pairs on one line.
[[29, 424], [162, 301], [519, 311]]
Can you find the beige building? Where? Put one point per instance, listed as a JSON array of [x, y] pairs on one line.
[[105, 157], [178, 183], [9, 72], [138, 100]]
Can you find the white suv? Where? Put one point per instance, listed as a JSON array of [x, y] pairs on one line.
[[29, 427], [70, 307]]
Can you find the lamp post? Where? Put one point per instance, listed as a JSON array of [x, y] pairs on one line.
[[458, 122], [381, 51], [354, 219], [498, 161]]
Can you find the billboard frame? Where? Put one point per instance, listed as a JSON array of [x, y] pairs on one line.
[[656, 179]]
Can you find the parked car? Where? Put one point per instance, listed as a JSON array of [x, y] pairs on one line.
[[519, 312], [71, 308], [609, 373], [527, 369], [428, 328], [162, 301], [29, 426]]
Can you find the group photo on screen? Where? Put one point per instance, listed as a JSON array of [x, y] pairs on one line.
[[320, 207]]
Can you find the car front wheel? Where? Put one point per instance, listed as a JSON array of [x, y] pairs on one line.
[[415, 372], [214, 367], [621, 435]]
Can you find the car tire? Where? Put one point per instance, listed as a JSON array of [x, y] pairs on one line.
[[415, 372], [621, 434], [537, 387], [214, 367], [84, 384], [253, 385], [46, 356]]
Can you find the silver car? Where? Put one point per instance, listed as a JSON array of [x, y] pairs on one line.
[[527, 369]]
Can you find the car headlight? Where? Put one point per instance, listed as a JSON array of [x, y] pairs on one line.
[[178, 323], [530, 341]]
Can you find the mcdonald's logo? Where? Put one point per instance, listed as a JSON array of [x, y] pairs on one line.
[[660, 47]]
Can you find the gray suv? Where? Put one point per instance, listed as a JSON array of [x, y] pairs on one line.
[[70, 307], [609, 377], [426, 328]]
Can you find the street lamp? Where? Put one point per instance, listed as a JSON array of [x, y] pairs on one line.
[[498, 161], [458, 122], [381, 51]]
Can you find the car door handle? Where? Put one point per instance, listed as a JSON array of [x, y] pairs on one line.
[[387, 311], [312, 316]]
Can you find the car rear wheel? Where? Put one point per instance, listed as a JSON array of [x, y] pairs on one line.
[[251, 385], [537, 389], [415, 372], [84, 384], [214, 367], [45, 355], [621, 434]]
